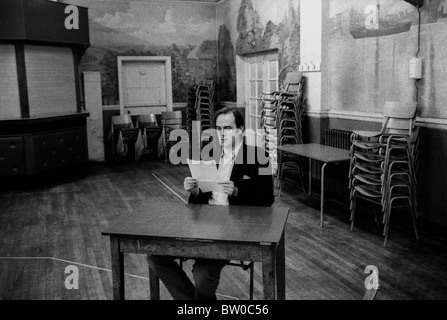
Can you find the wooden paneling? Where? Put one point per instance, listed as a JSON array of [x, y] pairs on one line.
[[9, 88], [51, 80]]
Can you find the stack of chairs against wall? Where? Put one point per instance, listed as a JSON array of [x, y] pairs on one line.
[[125, 138], [204, 107], [383, 164], [290, 113], [205, 110], [191, 112], [269, 110], [281, 119]]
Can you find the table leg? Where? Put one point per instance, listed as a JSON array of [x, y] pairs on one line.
[[154, 285], [281, 270], [322, 194], [269, 273], [117, 269], [310, 176]]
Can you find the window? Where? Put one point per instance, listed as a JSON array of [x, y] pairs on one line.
[[262, 76]]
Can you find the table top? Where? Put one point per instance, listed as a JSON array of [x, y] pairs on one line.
[[317, 151], [176, 220]]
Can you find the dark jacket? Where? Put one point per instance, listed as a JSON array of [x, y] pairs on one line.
[[252, 178]]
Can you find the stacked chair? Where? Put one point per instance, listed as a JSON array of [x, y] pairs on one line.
[[200, 110], [383, 164], [125, 138], [204, 106], [191, 113], [281, 118], [269, 111]]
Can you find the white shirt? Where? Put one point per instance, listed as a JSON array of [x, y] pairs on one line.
[[226, 164]]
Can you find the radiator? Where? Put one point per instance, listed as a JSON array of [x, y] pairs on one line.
[[336, 176]]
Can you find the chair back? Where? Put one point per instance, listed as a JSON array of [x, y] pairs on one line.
[[146, 120], [401, 110], [292, 83], [120, 122], [399, 117], [171, 119]]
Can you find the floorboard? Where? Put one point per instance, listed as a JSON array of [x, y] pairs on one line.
[[63, 219]]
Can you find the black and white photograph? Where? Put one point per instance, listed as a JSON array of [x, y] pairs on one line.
[[224, 151]]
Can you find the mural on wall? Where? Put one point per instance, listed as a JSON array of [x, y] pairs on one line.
[[258, 30], [227, 66], [183, 31], [372, 42]]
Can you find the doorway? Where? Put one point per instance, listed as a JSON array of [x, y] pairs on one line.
[[145, 84], [261, 74]]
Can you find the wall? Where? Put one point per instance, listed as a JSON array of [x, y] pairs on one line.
[[184, 31], [367, 68], [255, 26], [362, 69]]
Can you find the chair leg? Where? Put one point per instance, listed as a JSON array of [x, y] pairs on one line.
[[376, 216], [252, 272], [413, 217], [353, 203], [301, 172], [387, 225]]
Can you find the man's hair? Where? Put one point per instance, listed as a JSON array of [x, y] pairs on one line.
[[239, 119]]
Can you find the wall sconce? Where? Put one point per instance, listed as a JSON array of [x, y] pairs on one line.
[[251, 41]]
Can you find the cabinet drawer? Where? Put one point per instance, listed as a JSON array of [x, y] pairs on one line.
[[59, 149], [12, 156]]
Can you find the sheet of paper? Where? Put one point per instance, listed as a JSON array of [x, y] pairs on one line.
[[206, 186], [206, 174]]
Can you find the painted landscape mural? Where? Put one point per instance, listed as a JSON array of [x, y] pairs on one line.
[[184, 31], [371, 44], [259, 30], [260, 25]]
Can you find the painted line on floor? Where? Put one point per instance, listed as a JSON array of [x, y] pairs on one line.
[[90, 266], [169, 188], [70, 262]]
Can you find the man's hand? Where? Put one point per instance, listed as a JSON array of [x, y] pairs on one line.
[[229, 188], [190, 184]]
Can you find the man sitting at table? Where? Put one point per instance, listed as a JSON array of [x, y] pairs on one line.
[[245, 181]]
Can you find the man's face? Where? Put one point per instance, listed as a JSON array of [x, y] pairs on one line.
[[226, 130]]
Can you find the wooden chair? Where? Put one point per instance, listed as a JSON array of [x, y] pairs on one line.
[[170, 120], [150, 131]]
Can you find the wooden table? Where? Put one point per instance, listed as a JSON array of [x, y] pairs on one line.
[[202, 231], [321, 153]]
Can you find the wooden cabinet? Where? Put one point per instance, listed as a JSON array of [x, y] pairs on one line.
[[42, 115]]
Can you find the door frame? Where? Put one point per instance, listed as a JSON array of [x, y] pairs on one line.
[[168, 79]]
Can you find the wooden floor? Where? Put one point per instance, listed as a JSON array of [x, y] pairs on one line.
[[55, 224]]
